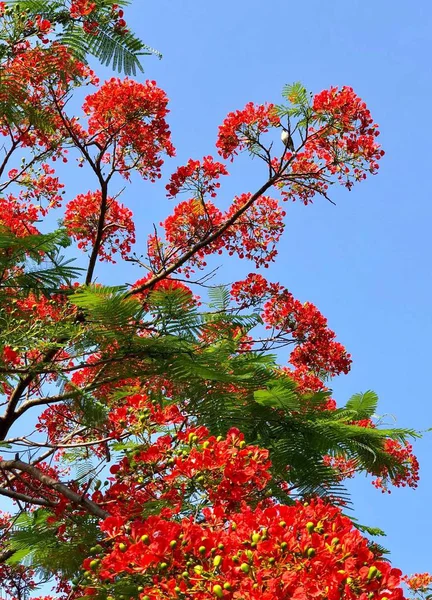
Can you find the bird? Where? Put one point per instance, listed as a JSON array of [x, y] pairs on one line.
[[287, 139]]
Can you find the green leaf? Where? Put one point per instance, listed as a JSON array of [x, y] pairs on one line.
[[363, 404]]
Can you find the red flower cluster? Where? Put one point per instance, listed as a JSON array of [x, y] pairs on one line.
[[18, 216], [316, 350], [191, 222], [419, 582], [81, 8], [404, 456], [82, 218], [266, 552], [10, 356], [33, 76], [39, 187], [242, 128], [256, 233], [342, 143], [198, 178], [166, 285], [126, 120]]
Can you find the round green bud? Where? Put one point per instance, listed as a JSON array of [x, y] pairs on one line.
[[218, 591], [217, 560], [202, 549], [372, 572], [310, 527], [245, 567], [311, 552], [227, 586], [122, 547], [173, 543]]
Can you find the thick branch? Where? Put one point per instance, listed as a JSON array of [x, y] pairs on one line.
[[99, 233], [5, 555], [91, 507], [25, 498], [206, 241], [9, 416]]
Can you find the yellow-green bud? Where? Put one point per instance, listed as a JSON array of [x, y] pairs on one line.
[[245, 567], [217, 560], [310, 527], [372, 572], [218, 591]]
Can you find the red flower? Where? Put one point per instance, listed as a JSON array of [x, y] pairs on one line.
[[82, 219], [243, 127], [127, 121], [200, 179]]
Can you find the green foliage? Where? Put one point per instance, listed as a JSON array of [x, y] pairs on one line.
[[43, 268], [112, 47], [36, 542]]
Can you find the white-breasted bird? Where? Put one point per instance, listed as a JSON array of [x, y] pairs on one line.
[[287, 139]]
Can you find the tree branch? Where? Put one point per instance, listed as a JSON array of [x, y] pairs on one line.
[[91, 507]]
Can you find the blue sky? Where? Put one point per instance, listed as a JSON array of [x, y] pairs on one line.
[[365, 262]]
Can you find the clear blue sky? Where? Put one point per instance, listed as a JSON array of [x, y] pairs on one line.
[[366, 263]]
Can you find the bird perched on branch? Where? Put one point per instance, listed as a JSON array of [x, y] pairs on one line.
[[287, 139]]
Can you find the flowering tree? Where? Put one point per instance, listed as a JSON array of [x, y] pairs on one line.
[[165, 454]]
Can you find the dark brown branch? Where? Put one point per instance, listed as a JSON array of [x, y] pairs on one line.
[[50, 482], [9, 416], [25, 498], [99, 233], [204, 242]]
